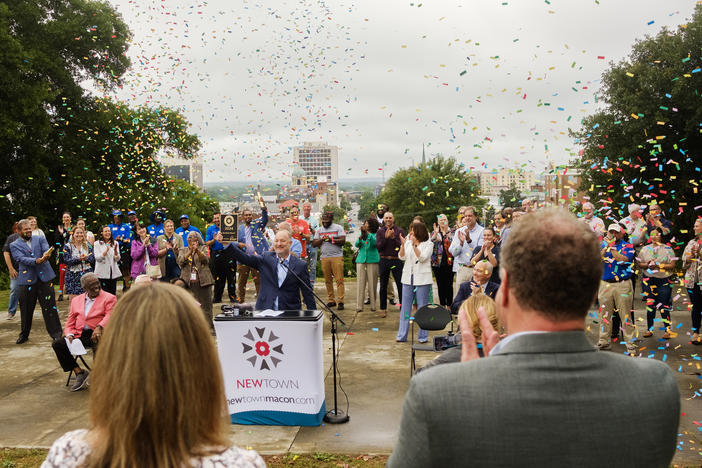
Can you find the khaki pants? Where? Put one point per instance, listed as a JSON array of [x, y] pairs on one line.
[[243, 273], [333, 269], [463, 274], [366, 274], [617, 296]]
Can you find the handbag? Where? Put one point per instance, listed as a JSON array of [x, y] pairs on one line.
[[152, 271]]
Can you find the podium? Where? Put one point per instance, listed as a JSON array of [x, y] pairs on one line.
[[273, 367]]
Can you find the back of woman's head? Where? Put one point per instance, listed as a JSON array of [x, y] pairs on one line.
[[373, 225], [470, 308], [157, 394]]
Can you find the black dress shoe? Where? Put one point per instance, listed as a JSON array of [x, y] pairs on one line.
[[367, 302], [21, 339], [392, 302], [331, 304], [341, 306]]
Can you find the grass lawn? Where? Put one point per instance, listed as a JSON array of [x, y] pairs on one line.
[[29, 458]]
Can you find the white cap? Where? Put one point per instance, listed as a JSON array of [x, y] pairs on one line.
[[614, 227], [634, 207]]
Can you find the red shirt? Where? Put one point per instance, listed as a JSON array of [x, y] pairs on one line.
[[303, 228]]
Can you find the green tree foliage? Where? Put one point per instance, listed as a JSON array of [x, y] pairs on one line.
[[643, 146], [340, 216], [441, 185], [66, 148], [184, 198], [49, 48], [511, 197], [368, 204]]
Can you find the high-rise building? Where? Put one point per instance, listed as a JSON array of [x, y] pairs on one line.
[[317, 165], [503, 179], [189, 170], [319, 161]]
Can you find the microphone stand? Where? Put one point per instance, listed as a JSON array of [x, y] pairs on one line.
[[335, 416]]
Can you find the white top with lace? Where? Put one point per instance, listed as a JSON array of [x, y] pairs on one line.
[[72, 450]]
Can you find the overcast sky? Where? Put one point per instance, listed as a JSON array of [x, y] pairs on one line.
[[493, 83]]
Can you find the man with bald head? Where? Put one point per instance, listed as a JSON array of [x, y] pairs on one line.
[[283, 275]]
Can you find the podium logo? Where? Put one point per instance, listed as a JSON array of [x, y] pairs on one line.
[[260, 351]]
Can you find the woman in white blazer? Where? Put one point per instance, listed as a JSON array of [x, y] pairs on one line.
[[106, 252], [416, 251]]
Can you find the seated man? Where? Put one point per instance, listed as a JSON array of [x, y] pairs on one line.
[[544, 395], [86, 321], [480, 283]]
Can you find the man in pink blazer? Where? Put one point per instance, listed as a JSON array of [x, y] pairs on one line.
[[88, 315]]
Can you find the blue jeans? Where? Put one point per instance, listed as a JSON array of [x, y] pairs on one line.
[[657, 294], [14, 297], [312, 263], [409, 293]]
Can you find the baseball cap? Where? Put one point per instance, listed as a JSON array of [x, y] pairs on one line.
[[184, 217], [633, 207], [116, 213], [131, 212], [614, 227]]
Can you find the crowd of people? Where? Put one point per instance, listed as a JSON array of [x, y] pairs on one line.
[[503, 276], [459, 255]]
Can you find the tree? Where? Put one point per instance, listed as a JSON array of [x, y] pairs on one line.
[[441, 185], [66, 148], [511, 197], [340, 216], [642, 146], [344, 203], [368, 204], [49, 49]]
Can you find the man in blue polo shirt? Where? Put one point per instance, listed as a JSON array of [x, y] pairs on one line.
[[122, 233], [616, 292], [224, 268], [185, 229]]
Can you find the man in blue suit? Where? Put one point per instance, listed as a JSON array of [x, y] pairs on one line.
[[35, 281], [280, 288], [480, 283], [252, 240]]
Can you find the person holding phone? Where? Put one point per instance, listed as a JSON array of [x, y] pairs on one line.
[[35, 279], [107, 258], [79, 258]]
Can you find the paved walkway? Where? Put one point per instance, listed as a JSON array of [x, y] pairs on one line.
[[36, 407]]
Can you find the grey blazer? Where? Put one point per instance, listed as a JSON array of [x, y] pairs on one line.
[[546, 399]]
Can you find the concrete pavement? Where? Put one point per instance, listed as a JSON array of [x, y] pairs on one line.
[[36, 407]]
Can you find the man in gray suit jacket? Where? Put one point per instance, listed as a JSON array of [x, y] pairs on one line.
[[544, 396]]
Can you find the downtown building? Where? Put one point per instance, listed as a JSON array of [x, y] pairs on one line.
[[189, 170], [317, 171]]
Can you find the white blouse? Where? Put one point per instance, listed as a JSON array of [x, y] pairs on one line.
[[420, 266], [106, 267], [72, 450]]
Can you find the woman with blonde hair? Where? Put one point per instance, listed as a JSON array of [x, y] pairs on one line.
[[170, 409], [469, 309], [78, 256]]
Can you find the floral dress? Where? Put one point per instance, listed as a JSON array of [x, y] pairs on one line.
[[75, 268]]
